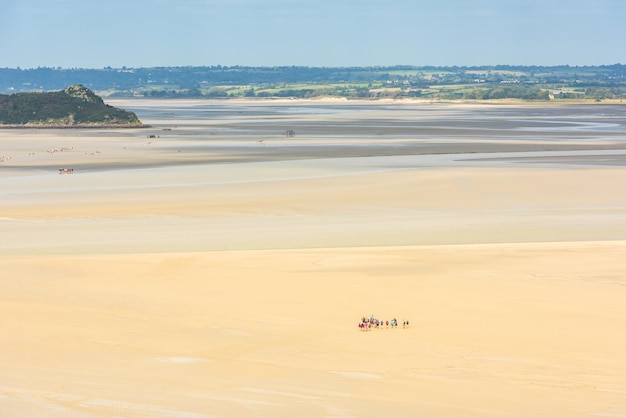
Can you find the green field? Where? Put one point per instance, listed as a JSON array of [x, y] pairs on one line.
[[533, 83]]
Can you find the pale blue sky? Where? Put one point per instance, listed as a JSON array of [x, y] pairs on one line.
[[146, 33]]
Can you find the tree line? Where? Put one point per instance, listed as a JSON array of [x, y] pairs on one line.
[[475, 83]]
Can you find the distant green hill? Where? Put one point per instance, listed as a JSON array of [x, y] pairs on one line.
[[75, 106]]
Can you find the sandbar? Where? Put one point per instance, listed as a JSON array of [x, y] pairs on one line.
[[211, 266]]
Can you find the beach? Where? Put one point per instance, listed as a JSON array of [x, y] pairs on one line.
[[211, 265]]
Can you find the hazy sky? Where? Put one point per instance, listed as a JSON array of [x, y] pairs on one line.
[[146, 33]]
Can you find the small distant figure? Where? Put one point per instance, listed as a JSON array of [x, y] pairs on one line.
[[368, 323], [290, 133]]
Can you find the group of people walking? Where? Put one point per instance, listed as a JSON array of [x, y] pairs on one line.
[[371, 322]]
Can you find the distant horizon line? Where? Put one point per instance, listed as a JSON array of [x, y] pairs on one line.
[[125, 67]]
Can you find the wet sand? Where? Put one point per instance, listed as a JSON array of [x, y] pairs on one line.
[[220, 268]]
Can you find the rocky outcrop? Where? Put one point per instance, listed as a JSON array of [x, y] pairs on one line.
[[73, 107]]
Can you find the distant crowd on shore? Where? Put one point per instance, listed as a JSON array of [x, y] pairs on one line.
[[371, 322]]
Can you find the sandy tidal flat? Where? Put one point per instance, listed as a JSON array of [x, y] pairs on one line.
[[221, 269]]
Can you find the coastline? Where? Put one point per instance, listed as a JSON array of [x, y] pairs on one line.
[[373, 101], [75, 126]]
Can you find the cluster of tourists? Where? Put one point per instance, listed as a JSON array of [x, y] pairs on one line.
[[372, 322]]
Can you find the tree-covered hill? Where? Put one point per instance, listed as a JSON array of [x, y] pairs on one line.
[[74, 106], [558, 83]]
